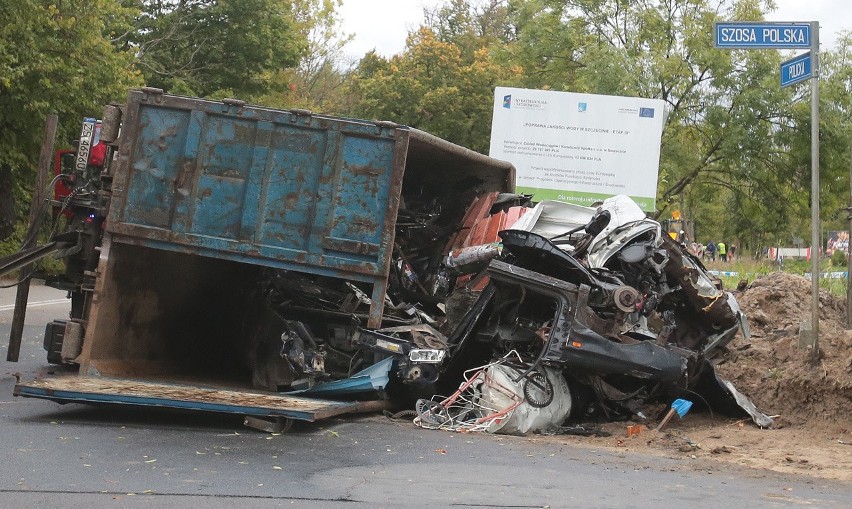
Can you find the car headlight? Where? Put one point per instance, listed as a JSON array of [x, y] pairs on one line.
[[426, 355]]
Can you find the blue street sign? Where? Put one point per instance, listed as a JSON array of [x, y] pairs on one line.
[[796, 69], [748, 34]]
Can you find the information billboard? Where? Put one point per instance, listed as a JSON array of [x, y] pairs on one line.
[[579, 148]]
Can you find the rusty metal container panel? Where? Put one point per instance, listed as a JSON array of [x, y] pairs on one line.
[[284, 189]]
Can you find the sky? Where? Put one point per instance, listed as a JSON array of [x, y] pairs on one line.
[[383, 25]]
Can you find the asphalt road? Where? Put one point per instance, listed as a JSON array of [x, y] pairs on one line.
[[83, 456]]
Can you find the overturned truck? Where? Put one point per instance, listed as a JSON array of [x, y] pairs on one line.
[[221, 254], [287, 265]]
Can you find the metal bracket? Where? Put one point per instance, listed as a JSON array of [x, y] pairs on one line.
[[269, 424]]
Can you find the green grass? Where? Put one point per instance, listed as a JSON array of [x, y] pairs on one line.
[[750, 270]]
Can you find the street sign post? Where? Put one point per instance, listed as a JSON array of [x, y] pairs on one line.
[[796, 69], [790, 35], [815, 225]]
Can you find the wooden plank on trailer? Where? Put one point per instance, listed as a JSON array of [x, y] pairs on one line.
[[190, 397]]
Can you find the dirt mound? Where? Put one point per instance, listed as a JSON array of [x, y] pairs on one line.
[[774, 371]]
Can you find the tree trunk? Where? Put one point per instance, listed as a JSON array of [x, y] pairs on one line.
[[7, 202]]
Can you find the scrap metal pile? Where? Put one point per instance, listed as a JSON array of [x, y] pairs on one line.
[[526, 316], [226, 244]]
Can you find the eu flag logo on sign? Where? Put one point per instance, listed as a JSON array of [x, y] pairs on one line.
[[507, 101], [646, 112], [581, 107]]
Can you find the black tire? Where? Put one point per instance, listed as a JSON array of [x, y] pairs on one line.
[[538, 390]]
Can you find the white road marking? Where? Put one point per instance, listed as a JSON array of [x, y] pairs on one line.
[[10, 307]]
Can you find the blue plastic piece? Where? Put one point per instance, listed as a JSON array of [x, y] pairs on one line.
[[681, 406]]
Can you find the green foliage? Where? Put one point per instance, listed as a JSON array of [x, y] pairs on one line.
[[470, 25], [431, 86], [214, 48], [835, 133], [12, 244], [838, 259], [67, 57], [318, 81], [63, 57], [544, 45]]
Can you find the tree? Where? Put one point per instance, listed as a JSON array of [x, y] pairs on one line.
[[66, 57], [470, 25], [835, 133], [543, 43], [216, 47], [443, 82], [317, 82], [431, 87]]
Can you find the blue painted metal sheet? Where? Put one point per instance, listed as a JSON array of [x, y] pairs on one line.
[[74, 389], [372, 378], [269, 187]]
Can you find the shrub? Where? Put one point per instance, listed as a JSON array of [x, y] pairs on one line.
[[838, 259]]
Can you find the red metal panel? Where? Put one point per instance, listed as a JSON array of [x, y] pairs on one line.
[[480, 228], [483, 230], [477, 210]]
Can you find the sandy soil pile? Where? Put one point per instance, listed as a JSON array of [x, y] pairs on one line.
[[774, 371]]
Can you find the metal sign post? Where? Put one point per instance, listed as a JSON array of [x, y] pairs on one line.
[[815, 228], [790, 35]]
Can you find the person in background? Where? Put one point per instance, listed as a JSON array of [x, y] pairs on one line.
[[711, 250], [723, 251], [732, 252]]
